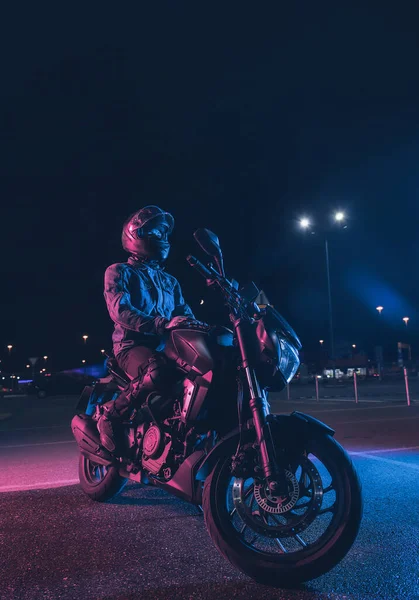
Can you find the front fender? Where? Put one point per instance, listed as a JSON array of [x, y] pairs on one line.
[[292, 430]]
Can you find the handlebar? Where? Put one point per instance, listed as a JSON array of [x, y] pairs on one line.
[[196, 264], [233, 297]]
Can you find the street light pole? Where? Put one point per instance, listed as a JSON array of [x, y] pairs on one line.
[[406, 320], [305, 223], [329, 293], [380, 347]]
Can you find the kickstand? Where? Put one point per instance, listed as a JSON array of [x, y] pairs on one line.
[[200, 510]]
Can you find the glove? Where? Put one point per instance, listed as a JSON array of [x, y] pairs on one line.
[[186, 323]]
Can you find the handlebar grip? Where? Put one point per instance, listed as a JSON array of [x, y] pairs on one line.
[[196, 264]]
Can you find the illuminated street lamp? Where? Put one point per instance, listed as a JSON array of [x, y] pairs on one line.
[[83, 361], [339, 216], [353, 345], [28, 366], [321, 342], [45, 357], [305, 223], [405, 319], [9, 347], [103, 351], [85, 338], [380, 308]]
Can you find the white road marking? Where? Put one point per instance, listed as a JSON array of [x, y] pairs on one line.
[[314, 411], [38, 486], [409, 418], [378, 451], [40, 444]]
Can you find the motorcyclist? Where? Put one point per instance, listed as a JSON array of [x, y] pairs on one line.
[[144, 303]]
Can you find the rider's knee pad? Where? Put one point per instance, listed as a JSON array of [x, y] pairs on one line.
[[158, 374]]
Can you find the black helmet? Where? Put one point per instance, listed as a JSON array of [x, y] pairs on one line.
[[145, 233]]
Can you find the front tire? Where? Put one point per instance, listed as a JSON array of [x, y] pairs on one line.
[[99, 482], [278, 561]]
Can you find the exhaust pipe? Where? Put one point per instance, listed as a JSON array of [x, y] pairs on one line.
[[87, 437]]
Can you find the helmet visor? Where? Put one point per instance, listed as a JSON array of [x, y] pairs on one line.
[[157, 216], [156, 228]]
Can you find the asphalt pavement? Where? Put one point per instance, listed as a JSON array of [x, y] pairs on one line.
[[56, 543]]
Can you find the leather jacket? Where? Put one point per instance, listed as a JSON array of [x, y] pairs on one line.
[[141, 299]]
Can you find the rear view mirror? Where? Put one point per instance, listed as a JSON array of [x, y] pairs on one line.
[[210, 244]]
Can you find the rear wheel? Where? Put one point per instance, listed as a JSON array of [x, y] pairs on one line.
[[281, 541], [99, 482]]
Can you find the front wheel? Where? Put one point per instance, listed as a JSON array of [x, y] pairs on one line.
[[281, 541], [99, 482]]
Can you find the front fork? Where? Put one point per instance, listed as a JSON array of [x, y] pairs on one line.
[[260, 410]]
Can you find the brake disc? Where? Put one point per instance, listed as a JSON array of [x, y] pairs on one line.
[[273, 503], [271, 507]]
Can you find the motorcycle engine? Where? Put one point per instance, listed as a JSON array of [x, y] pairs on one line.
[[157, 456]]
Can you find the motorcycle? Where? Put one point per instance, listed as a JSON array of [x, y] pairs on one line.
[[280, 496]]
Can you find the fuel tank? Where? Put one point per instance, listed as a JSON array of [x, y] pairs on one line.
[[191, 349], [203, 357]]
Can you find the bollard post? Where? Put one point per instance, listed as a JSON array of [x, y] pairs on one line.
[[356, 388], [317, 388], [406, 382], [288, 391]]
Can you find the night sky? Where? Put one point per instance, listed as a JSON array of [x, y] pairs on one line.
[[239, 117]]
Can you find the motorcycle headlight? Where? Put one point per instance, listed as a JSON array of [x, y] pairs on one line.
[[289, 360]]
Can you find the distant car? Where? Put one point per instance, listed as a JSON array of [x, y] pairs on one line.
[[58, 384]]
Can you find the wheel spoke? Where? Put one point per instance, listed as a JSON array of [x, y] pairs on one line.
[[303, 505], [300, 539], [329, 488], [275, 520], [96, 472], [281, 545], [327, 509], [253, 539], [265, 518], [248, 495], [304, 482]]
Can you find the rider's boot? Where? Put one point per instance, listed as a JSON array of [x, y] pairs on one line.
[[113, 414]]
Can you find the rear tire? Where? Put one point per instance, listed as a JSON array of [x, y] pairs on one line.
[[99, 482], [285, 570]]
